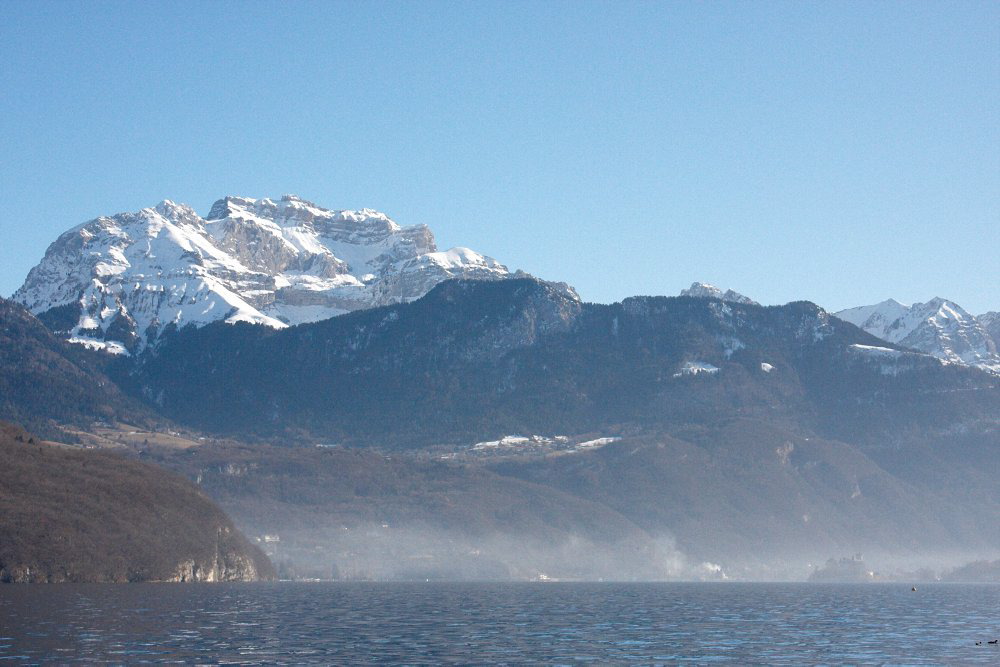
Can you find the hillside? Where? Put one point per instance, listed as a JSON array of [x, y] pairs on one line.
[[977, 572], [46, 384], [358, 514], [759, 499], [743, 498], [90, 516]]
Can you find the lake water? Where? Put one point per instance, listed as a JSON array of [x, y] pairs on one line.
[[544, 623]]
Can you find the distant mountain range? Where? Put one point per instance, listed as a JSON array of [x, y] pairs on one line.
[[940, 327], [118, 283]]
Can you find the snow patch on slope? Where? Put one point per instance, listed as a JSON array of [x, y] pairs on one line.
[[889, 361], [596, 442], [696, 367], [104, 346], [534, 445], [876, 351]]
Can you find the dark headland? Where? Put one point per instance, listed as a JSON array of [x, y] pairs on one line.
[[73, 515]]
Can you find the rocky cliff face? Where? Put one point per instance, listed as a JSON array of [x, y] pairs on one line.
[[229, 563], [119, 282]]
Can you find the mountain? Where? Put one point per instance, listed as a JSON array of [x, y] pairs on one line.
[[119, 282], [939, 327], [473, 361], [47, 384], [712, 292], [89, 516]]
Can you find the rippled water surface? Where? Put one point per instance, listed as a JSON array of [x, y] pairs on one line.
[[548, 623]]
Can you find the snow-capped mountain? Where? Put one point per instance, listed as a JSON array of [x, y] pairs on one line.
[[939, 327], [705, 290], [119, 282]]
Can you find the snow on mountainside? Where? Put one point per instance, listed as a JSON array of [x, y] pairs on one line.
[[711, 291], [119, 282], [991, 323], [939, 327]]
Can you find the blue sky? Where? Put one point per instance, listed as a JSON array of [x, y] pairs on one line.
[[837, 152]]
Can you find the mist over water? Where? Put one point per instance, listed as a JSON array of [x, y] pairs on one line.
[[385, 552]]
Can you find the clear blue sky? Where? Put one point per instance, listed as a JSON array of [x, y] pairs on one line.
[[831, 151]]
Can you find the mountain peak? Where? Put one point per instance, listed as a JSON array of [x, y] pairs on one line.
[[708, 291], [222, 208], [174, 211], [130, 277], [939, 327]]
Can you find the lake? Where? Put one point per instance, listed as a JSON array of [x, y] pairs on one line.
[[517, 623]]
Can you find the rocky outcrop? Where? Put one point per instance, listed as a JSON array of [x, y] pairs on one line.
[[229, 564], [706, 291]]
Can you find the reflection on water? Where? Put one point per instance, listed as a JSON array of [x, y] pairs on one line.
[[505, 623]]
